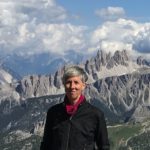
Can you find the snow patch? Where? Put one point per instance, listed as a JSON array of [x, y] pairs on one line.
[[5, 77]]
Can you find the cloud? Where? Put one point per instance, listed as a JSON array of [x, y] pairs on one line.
[[115, 35], [122, 34], [14, 11], [142, 39], [43, 11], [64, 37], [20, 20], [37, 26], [38, 38], [110, 13]]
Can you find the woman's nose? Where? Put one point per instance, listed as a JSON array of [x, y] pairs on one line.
[[72, 85]]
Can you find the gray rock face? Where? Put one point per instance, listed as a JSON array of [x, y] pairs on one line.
[[119, 58], [95, 64], [27, 115], [103, 59], [140, 113], [141, 61], [122, 94], [58, 79], [36, 86]]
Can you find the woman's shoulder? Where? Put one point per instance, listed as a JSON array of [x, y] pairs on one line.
[[94, 109], [56, 107]]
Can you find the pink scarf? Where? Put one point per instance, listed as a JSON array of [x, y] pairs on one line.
[[71, 109]]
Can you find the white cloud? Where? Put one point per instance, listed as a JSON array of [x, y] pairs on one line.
[[110, 13], [57, 38], [115, 35], [19, 21], [122, 34], [142, 39], [27, 10], [36, 26], [64, 37]]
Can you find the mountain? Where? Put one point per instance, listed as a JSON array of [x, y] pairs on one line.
[[8, 79], [126, 96], [5, 77], [99, 67], [117, 85], [22, 122], [42, 63]]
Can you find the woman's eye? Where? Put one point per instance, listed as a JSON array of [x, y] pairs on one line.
[[76, 82], [67, 82]]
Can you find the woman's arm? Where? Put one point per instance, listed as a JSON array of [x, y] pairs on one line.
[[47, 136], [102, 141]]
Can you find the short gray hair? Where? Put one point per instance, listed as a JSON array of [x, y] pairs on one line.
[[74, 71]]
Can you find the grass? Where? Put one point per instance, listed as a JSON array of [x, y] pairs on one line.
[[118, 135]]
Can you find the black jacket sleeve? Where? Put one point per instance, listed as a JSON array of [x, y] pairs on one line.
[[47, 136], [102, 141]]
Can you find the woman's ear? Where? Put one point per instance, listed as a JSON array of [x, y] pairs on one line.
[[84, 86]]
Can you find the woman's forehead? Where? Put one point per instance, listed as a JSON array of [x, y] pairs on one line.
[[74, 77]]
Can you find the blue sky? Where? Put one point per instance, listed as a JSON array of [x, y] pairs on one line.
[[135, 9], [58, 26]]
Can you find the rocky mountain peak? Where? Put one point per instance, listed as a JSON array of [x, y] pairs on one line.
[[119, 87], [108, 64], [58, 78], [141, 61], [119, 58], [101, 66]]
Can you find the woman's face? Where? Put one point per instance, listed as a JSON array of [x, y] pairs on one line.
[[73, 88]]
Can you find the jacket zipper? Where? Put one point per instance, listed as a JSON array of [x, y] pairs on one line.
[[84, 147], [68, 135]]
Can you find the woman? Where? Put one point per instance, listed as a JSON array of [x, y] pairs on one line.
[[75, 124]]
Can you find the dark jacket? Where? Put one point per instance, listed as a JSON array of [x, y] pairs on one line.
[[85, 130]]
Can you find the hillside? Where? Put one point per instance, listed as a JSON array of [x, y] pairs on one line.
[[27, 122]]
